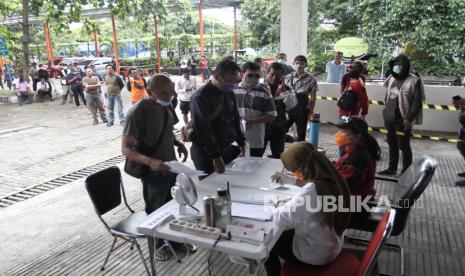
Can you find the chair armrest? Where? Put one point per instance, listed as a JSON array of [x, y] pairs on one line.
[[389, 179]]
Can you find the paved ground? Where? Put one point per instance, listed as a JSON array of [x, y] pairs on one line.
[[57, 232]]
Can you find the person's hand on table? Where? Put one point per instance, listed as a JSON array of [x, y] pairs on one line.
[[282, 178], [218, 165]]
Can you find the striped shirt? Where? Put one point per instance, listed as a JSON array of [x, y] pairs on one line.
[[253, 104]]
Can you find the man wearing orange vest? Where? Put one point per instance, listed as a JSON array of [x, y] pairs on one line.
[[137, 87]]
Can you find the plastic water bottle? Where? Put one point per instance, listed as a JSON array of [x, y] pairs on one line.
[[314, 129]]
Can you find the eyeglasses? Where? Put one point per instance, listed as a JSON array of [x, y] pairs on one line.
[[257, 76]]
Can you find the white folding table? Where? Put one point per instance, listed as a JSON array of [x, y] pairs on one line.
[[246, 187]]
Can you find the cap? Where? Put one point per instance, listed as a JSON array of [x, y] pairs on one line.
[[357, 64], [355, 124]]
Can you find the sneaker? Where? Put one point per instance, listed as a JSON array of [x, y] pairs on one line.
[[109, 124], [388, 172], [95, 122], [462, 174], [460, 183]]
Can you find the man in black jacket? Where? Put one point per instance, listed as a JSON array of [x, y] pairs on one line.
[[216, 121]]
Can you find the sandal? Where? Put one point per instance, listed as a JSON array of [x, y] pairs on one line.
[[163, 254]]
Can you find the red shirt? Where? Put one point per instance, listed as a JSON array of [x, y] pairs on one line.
[[203, 64], [358, 169], [52, 73], [361, 108]]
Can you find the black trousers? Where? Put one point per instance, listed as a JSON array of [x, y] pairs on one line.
[[34, 84], [396, 143], [301, 121], [43, 95], [282, 249], [79, 93], [276, 136]]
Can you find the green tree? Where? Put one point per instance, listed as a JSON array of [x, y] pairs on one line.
[[263, 18], [434, 27]]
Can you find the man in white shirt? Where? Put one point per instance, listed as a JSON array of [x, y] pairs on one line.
[[335, 69], [184, 87], [44, 90]]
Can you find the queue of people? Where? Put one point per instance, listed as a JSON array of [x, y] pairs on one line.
[[237, 107]]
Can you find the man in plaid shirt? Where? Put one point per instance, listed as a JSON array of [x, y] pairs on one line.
[[256, 107]]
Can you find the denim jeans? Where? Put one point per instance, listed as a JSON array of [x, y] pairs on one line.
[[111, 108]]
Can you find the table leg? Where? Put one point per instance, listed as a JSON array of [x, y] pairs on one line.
[[252, 267], [151, 244]]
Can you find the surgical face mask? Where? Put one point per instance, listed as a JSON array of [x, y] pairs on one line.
[[252, 81], [163, 103], [298, 67], [282, 61], [298, 175], [341, 138], [227, 87], [397, 69]]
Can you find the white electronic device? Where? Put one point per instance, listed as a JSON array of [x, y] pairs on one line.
[[185, 193], [195, 229], [249, 235], [158, 220]]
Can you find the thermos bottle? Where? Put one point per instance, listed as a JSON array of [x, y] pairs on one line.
[[314, 128]]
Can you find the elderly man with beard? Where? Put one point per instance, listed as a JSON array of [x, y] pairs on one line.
[[403, 108]]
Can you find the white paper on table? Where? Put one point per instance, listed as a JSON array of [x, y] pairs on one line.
[[251, 211], [178, 167], [246, 165]]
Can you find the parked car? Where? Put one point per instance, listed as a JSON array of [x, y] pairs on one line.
[[98, 63]]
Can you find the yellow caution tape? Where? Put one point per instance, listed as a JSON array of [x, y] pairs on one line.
[[375, 102], [414, 135]]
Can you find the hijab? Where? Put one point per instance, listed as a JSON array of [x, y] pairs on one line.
[[317, 168]]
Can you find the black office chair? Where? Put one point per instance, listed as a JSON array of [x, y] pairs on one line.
[[105, 189], [407, 190]]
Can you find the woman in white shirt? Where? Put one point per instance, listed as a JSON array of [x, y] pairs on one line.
[[312, 235]]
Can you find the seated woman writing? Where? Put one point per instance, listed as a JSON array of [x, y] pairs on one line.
[[358, 165], [312, 236]]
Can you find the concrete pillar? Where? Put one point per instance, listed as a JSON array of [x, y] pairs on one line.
[[294, 26]]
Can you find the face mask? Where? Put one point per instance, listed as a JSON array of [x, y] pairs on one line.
[[298, 67], [396, 69], [252, 82], [282, 61], [341, 138], [227, 87], [299, 176], [163, 103]]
